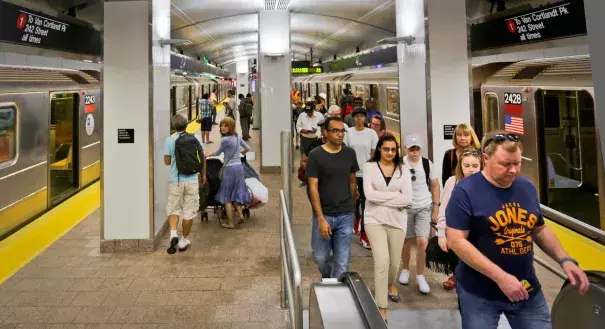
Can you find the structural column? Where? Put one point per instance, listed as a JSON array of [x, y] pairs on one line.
[[434, 71], [136, 96], [242, 70], [594, 23], [273, 84]]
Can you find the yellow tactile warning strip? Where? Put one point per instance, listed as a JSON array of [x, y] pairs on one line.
[[20, 248], [589, 253]]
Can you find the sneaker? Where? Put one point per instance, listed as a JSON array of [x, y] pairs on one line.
[[404, 277], [365, 242], [173, 242], [356, 226], [184, 244], [422, 284]]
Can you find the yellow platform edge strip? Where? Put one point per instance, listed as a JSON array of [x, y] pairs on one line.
[[590, 254], [23, 246]]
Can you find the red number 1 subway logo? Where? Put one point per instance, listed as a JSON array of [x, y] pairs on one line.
[[21, 21]]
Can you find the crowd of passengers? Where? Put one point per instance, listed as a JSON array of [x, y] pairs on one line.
[[486, 213]]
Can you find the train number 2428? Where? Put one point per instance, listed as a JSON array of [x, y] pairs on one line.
[[510, 98]]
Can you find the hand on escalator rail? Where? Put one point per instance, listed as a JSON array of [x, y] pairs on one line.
[[576, 276]]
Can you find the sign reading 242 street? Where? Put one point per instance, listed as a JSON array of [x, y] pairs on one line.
[[559, 20], [27, 27]]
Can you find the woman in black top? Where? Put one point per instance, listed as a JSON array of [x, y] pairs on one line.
[[464, 137]]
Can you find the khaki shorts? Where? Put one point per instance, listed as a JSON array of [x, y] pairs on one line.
[[419, 223], [183, 199]]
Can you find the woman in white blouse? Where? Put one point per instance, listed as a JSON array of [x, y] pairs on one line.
[[388, 193], [469, 163]]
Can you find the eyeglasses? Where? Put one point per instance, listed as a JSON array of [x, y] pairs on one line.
[[337, 131], [388, 149], [413, 171], [499, 138]]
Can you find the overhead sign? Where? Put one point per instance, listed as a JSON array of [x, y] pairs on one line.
[[27, 27], [559, 20], [307, 70], [299, 64], [378, 58]]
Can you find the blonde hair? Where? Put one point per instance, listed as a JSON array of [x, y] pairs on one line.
[[229, 123], [507, 145], [466, 129], [467, 152]]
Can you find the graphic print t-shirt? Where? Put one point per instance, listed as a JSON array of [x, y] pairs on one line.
[[500, 222]]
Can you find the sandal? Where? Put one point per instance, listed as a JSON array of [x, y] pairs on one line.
[[450, 283]]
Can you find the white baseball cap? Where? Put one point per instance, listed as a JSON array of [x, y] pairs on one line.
[[413, 140], [323, 95]]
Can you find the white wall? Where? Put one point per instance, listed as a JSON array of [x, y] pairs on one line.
[[126, 77], [450, 79], [274, 76], [242, 77], [411, 60]]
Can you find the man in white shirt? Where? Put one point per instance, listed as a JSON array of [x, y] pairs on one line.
[[307, 127], [363, 140], [231, 105], [425, 207], [214, 102]]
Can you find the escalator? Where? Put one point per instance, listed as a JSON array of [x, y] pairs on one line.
[[343, 303]]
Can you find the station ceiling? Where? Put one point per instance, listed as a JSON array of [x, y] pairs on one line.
[[226, 30]]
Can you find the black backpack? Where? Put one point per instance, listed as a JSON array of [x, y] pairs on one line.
[[427, 170], [189, 154], [246, 108]]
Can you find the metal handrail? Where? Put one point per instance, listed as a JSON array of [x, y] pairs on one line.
[[574, 224], [291, 291], [291, 277]]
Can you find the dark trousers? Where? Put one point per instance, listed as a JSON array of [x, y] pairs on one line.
[[361, 203], [245, 124], [305, 143], [214, 115]]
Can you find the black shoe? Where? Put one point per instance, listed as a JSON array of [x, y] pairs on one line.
[[173, 242]]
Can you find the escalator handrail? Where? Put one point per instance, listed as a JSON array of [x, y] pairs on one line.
[[364, 300], [574, 224]]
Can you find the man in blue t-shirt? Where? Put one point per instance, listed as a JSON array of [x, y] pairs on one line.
[[183, 190], [493, 219]]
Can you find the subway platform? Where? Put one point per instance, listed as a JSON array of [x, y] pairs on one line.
[[226, 279]]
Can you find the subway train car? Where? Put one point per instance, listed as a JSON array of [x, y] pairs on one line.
[[381, 84], [50, 139], [549, 102], [185, 93]]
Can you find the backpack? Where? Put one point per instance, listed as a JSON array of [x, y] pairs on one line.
[[189, 154], [246, 108]]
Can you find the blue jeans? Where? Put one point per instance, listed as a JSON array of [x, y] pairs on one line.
[[480, 313], [339, 244]]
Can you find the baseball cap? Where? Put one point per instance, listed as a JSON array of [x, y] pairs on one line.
[[413, 140], [359, 110], [323, 95], [358, 99]]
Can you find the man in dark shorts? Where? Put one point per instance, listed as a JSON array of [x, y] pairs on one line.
[[331, 171], [493, 220], [205, 118]]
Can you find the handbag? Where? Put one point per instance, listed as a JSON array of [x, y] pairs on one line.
[[438, 260]]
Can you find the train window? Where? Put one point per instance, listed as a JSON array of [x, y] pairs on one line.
[[8, 133], [360, 92], [530, 72], [393, 102], [570, 169], [491, 120]]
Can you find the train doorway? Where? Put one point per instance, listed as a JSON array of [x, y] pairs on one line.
[[64, 155], [569, 153]]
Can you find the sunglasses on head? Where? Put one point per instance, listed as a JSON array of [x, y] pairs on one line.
[[473, 153], [499, 138]]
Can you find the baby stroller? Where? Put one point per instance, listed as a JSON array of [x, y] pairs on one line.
[[208, 192]]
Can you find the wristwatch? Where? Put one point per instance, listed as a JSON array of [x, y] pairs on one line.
[[438, 204], [568, 259]]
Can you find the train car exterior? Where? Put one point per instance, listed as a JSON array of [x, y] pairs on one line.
[[550, 103], [50, 140]]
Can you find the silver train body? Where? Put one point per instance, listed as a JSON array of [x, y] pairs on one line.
[[50, 135], [50, 140], [551, 100]]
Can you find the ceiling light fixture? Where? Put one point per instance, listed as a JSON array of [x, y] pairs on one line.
[[408, 40], [175, 42]]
